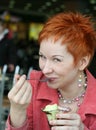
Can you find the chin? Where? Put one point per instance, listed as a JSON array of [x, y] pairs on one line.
[[52, 86]]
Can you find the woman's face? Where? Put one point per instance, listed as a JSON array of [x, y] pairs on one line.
[[57, 64]]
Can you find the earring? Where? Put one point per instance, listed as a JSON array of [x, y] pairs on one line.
[[80, 80]]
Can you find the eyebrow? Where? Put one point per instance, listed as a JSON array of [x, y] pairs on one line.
[[58, 55], [53, 55]]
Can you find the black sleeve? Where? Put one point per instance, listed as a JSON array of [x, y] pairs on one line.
[[12, 53]]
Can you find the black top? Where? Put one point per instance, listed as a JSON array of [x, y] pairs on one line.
[[7, 51]]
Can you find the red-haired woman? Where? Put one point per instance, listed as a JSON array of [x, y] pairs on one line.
[[67, 44]]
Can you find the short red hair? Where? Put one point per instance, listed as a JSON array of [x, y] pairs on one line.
[[75, 29]]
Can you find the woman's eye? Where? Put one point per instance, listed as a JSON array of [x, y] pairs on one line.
[[57, 60], [42, 57]]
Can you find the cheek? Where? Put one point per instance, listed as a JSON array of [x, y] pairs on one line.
[[64, 69], [41, 64]]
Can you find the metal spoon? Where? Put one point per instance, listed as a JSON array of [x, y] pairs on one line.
[[41, 80]]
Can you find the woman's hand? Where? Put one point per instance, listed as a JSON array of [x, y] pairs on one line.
[[20, 97], [68, 121]]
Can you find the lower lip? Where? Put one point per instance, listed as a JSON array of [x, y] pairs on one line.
[[51, 80]]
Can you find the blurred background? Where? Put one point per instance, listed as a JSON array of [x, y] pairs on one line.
[[23, 20]]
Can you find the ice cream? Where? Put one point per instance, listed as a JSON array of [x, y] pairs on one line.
[[51, 111]]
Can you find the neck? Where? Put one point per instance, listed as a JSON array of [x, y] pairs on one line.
[[75, 88]]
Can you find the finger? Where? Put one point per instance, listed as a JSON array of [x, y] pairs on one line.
[[17, 86], [27, 96], [64, 128], [68, 116], [18, 96], [20, 81], [16, 78], [65, 122]]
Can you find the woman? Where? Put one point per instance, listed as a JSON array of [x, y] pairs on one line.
[[67, 44]]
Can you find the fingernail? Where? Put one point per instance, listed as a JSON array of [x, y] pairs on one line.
[[52, 122]]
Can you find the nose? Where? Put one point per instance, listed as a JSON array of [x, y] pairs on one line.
[[47, 68]]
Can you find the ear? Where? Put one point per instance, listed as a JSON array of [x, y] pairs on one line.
[[84, 62]]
